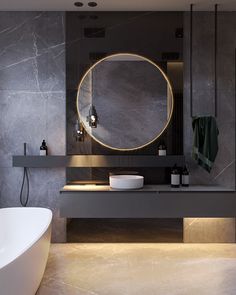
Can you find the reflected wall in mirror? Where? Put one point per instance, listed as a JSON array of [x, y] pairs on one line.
[[125, 101]]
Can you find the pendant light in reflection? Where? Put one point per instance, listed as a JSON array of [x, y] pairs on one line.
[[79, 131], [92, 118]]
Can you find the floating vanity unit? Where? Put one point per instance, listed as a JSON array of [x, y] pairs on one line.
[[206, 210], [152, 201]]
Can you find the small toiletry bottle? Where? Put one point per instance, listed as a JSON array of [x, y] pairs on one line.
[[185, 177], [43, 149], [175, 177], [162, 149]]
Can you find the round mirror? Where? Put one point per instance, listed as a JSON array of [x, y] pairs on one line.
[[125, 101]]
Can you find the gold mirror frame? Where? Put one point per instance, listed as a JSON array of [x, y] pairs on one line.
[[170, 97]]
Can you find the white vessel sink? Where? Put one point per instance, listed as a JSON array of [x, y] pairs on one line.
[[126, 181]]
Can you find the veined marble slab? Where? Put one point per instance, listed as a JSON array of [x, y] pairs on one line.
[[138, 269]]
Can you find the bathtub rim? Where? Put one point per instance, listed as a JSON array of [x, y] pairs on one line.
[[34, 241]]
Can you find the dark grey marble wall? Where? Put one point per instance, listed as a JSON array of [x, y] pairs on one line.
[[203, 91], [32, 105]]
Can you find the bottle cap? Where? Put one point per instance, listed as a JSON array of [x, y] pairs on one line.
[[175, 169], [162, 146]]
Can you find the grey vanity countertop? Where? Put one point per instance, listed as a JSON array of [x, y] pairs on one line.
[[157, 188]]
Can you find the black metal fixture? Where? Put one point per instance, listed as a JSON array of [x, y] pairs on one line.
[[78, 4], [92, 118], [79, 131], [191, 60], [25, 181], [92, 4], [215, 58], [215, 55]]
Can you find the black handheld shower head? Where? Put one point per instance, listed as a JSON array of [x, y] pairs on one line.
[[25, 179]]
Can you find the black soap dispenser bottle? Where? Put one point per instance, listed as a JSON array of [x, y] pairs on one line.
[[175, 177], [185, 176], [43, 149]]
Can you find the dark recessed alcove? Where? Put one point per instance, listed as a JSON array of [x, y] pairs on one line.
[[145, 33], [125, 230], [88, 39]]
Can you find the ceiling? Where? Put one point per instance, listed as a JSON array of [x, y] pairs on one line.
[[116, 5]]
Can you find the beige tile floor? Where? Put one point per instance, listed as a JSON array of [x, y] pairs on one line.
[[140, 269]]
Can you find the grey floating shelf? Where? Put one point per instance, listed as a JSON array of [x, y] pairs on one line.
[[97, 161]]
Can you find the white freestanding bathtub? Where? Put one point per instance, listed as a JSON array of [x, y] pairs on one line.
[[25, 235]]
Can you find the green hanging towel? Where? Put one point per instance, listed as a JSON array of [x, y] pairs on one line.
[[205, 141]]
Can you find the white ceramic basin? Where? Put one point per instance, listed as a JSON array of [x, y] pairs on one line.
[[126, 181]]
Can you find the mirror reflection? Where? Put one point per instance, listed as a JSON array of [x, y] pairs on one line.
[[125, 101]]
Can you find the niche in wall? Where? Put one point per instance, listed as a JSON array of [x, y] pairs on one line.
[[92, 36]]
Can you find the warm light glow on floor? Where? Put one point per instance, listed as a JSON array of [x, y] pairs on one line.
[[138, 269]]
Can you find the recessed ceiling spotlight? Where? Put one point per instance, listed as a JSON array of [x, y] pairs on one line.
[[78, 4], [92, 4]]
